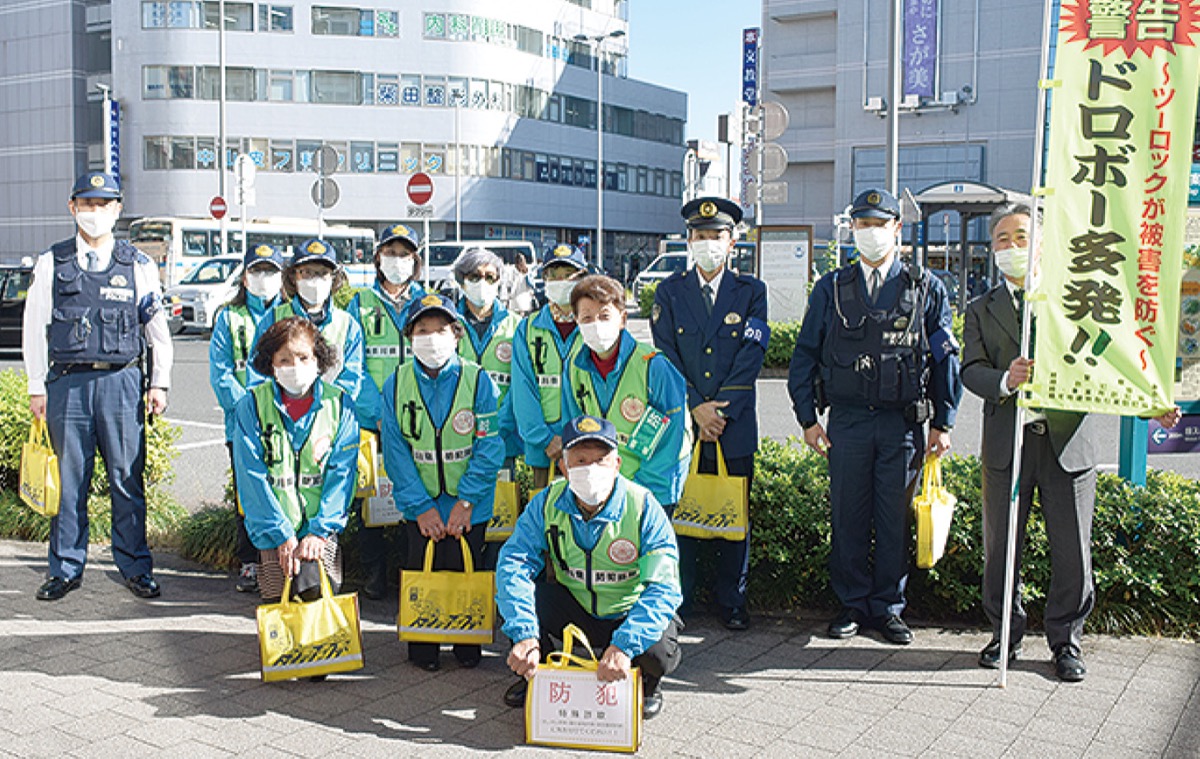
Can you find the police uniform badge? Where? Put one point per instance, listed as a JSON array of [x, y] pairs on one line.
[[622, 551], [708, 209], [632, 408], [316, 248], [118, 280], [733, 318], [431, 300], [589, 425], [97, 181], [264, 251], [464, 422], [901, 322], [874, 199], [504, 351]]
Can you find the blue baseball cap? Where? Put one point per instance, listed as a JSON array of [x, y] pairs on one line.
[[431, 303], [97, 184], [260, 254], [401, 232], [585, 427], [875, 203], [564, 254], [315, 250]]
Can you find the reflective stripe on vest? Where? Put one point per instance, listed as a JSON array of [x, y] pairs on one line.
[[440, 453], [335, 330], [606, 580], [496, 358], [297, 481], [383, 343], [548, 367], [628, 403]]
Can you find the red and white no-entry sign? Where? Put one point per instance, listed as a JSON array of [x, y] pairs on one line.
[[217, 207], [420, 189]]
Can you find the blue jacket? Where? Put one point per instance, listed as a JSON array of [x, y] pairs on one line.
[[354, 369], [664, 472], [534, 430], [265, 523], [369, 402], [522, 559], [478, 484], [945, 384], [480, 344], [221, 375], [720, 355]]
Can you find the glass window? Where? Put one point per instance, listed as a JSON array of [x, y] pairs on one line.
[[543, 167], [456, 92], [195, 243], [154, 82], [239, 84], [341, 87], [183, 152], [506, 164], [660, 182], [366, 23], [368, 89], [343, 153], [433, 159], [283, 155], [435, 25], [458, 26], [326, 20], [306, 152], [435, 90], [555, 175], [156, 153], [182, 81], [239, 17], [154, 15], [274, 18], [362, 157], [387, 157], [387, 23], [281, 86], [641, 179], [478, 97], [300, 93], [567, 172], [206, 153], [676, 184], [622, 177], [410, 157], [553, 110], [528, 167], [410, 89], [183, 15], [387, 89], [258, 150]]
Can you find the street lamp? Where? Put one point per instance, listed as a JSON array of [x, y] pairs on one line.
[[598, 40]]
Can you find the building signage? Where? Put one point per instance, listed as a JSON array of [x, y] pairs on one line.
[[750, 66], [920, 46]]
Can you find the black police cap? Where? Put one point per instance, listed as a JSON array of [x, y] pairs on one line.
[[711, 213], [875, 203]]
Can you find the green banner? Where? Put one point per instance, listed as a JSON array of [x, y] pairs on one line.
[[1123, 109]]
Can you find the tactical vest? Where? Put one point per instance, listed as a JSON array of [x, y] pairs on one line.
[[95, 314], [607, 580], [876, 357], [496, 358], [548, 366], [441, 454], [242, 327], [336, 328], [628, 403], [384, 345], [297, 480]]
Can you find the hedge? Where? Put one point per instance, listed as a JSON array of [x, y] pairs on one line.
[[646, 299]]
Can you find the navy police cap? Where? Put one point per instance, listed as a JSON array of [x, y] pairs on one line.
[[431, 303], [260, 254], [96, 184], [583, 428], [315, 250], [401, 232], [875, 203], [711, 213], [564, 254]]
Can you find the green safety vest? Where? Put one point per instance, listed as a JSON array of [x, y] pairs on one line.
[[548, 366], [496, 359], [242, 326], [297, 480], [628, 404], [607, 580], [337, 326], [441, 454], [383, 343]]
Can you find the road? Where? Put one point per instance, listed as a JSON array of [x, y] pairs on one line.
[[202, 467]]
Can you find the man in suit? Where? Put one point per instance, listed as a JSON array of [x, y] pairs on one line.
[[1058, 457], [712, 325]]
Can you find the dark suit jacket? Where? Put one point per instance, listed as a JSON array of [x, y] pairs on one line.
[[991, 340], [720, 355]]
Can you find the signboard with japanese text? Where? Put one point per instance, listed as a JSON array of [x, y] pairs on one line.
[[1184, 437], [785, 260], [572, 708], [920, 47], [114, 138], [1119, 147], [750, 66]]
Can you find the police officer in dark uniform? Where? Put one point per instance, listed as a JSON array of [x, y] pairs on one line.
[[93, 309], [712, 325], [876, 347]]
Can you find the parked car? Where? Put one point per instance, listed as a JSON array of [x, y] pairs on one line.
[[442, 256], [204, 290], [659, 269], [14, 283]]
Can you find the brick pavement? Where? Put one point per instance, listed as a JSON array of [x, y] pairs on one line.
[[103, 674]]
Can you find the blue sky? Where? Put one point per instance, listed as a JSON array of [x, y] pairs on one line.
[[694, 46]]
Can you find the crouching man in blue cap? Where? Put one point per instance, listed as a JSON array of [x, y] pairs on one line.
[[615, 565]]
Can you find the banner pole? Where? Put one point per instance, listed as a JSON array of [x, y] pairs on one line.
[[1035, 238]]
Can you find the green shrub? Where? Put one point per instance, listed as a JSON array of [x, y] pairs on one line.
[[782, 344], [646, 299], [164, 517]]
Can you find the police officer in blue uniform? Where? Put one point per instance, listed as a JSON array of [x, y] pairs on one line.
[[712, 325], [93, 310], [876, 347]]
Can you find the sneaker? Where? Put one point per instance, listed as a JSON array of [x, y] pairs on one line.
[[247, 581]]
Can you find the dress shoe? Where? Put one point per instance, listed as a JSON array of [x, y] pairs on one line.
[[737, 619], [515, 695], [377, 582], [468, 656], [429, 665], [1068, 664], [989, 657], [247, 581], [652, 704], [845, 625], [895, 631], [57, 587], [143, 586]]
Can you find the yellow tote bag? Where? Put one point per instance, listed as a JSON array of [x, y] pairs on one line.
[[934, 511], [368, 463], [307, 638], [446, 606], [504, 513], [712, 505], [40, 487], [567, 705]]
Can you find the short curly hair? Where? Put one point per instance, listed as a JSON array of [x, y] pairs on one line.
[[283, 332], [600, 288]]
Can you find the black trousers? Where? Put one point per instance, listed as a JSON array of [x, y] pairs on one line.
[[447, 554], [246, 552], [557, 608]]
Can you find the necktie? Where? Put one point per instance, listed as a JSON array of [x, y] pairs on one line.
[[92, 260], [708, 298], [876, 283]]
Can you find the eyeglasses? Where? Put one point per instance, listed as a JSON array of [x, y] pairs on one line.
[[491, 279]]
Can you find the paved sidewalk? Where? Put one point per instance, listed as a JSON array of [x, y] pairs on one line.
[[102, 674]]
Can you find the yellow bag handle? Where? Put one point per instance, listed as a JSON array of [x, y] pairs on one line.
[[326, 587], [565, 658], [722, 471], [39, 433], [931, 475], [468, 562]]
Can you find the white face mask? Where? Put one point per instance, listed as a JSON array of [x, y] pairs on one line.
[[559, 292], [1014, 262], [298, 378], [264, 284], [481, 293], [97, 223], [397, 269], [709, 255], [314, 291], [874, 243], [593, 483], [434, 350], [601, 335]]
